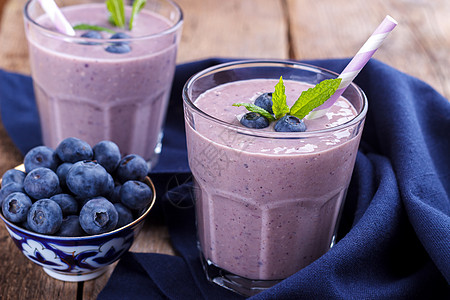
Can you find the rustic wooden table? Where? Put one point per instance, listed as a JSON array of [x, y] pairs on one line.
[[281, 29]]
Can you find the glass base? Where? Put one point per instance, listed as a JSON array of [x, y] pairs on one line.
[[241, 285]]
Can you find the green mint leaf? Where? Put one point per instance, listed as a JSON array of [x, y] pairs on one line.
[[111, 20], [138, 5], [279, 106], [314, 97], [253, 108], [92, 27], [117, 10]]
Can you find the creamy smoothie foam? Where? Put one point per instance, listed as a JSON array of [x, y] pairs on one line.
[[84, 91], [267, 207]]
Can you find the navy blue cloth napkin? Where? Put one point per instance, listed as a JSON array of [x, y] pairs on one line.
[[394, 239]]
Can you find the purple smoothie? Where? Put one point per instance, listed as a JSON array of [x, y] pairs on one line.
[[267, 207], [84, 91]]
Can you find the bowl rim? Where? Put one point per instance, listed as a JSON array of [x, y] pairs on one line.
[[147, 181]]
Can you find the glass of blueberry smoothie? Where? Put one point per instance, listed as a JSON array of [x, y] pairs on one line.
[[112, 79], [269, 191]]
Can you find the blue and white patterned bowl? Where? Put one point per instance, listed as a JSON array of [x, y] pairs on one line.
[[77, 258]]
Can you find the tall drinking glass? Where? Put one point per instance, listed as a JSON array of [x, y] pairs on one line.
[[267, 203], [103, 88]]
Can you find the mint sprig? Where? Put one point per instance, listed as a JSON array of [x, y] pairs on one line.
[[117, 10], [314, 97], [306, 102], [92, 27], [138, 5], [254, 108], [279, 106]]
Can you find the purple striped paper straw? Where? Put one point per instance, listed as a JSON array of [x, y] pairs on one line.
[[357, 63], [56, 16]]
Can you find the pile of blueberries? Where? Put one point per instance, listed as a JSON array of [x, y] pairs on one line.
[[76, 189]]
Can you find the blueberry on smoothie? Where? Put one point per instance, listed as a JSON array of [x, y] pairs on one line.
[[13, 175], [41, 183], [131, 167], [119, 47], [70, 226], [135, 194], [68, 204], [45, 216], [254, 120], [10, 188], [290, 124], [16, 206], [265, 101], [120, 35], [107, 154], [73, 149], [40, 156], [98, 215], [87, 179], [125, 215], [92, 34]]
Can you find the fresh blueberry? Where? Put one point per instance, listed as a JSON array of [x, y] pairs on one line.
[[16, 206], [265, 101], [115, 197], [10, 188], [82, 201], [107, 154], [45, 216], [125, 215], [68, 204], [131, 167], [25, 225], [70, 226], [109, 188], [73, 149], [290, 124], [13, 175], [135, 194], [41, 183], [92, 34], [62, 171], [87, 179], [254, 120], [98, 215], [119, 47], [40, 156]]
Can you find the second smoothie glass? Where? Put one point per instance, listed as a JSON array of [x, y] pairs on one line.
[[84, 91], [264, 215]]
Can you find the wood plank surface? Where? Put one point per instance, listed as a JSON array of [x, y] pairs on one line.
[[418, 46], [279, 29]]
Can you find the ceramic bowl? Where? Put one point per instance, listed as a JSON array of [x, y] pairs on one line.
[[77, 258]]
